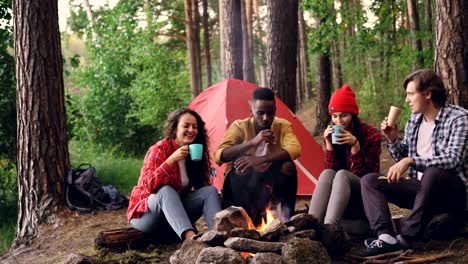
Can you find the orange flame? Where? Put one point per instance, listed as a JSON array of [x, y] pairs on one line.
[[247, 254], [269, 218]]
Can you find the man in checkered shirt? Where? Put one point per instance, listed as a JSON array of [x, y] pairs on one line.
[[434, 152]]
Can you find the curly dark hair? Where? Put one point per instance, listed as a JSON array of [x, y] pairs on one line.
[[199, 172]]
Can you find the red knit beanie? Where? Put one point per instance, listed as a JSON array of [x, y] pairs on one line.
[[343, 100]]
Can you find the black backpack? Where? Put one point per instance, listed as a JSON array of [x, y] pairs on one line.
[[84, 192]]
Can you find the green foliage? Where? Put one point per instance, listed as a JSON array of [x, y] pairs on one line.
[[128, 84], [7, 85], [7, 228], [8, 207], [375, 57]]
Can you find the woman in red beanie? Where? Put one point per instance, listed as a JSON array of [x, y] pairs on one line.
[[355, 153]]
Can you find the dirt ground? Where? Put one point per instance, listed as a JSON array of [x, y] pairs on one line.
[[75, 233]]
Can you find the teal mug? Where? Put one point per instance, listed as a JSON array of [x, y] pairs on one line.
[[196, 151], [337, 129]]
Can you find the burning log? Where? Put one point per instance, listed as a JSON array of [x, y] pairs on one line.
[[245, 233], [254, 246], [274, 230]]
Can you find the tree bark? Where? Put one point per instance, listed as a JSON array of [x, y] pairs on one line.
[[196, 36], [282, 50], [428, 22], [42, 150], [259, 47], [231, 31], [304, 57], [206, 43], [323, 82], [192, 49], [416, 39], [451, 54], [247, 41]]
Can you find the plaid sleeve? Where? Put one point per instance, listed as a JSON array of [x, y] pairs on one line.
[[155, 172], [331, 160], [451, 156], [399, 149], [367, 160]]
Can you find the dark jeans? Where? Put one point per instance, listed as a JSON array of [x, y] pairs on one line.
[[437, 192], [255, 191]]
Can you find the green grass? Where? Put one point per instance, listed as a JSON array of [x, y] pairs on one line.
[[7, 228]]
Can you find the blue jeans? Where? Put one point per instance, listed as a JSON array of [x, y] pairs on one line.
[[166, 206]]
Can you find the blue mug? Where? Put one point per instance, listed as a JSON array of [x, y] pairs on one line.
[[337, 129]]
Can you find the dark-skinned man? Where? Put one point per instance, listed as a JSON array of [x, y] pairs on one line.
[[260, 151]]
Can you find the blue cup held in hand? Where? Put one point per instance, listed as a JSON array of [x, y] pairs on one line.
[[196, 151], [337, 129]]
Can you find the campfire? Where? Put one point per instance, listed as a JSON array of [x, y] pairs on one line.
[[234, 239]]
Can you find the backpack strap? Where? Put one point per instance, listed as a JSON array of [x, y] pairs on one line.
[[76, 207]]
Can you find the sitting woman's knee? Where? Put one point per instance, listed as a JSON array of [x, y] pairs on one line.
[[165, 189], [343, 175], [288, 168]]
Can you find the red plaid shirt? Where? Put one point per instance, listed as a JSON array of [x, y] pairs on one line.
[[366, 160], [154, 174]]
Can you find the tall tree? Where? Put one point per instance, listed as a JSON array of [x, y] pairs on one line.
[[451, 54], [193, 36], [282, 49], [247, 40], [206, 43], [304, 56], [416, 40], [259, 45], [428, 22], [231, 38], [323, 82], [42, 151]]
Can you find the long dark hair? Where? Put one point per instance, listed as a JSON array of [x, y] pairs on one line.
[[198, 171], [356, 130]]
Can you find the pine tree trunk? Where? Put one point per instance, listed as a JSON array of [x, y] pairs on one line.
[[196, 44], [336, 62], [42, 150], [323, 79], [451, 53], [247, 48], [282, 50], [231, 31], [304, 57], [428, 23], [259, 47], [299, 79], [191, 47], [206, 43], [416, 40]]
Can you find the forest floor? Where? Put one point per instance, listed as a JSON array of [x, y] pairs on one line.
[[72, 232]]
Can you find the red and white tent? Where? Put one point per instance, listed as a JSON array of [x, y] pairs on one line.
[[224, 102]]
